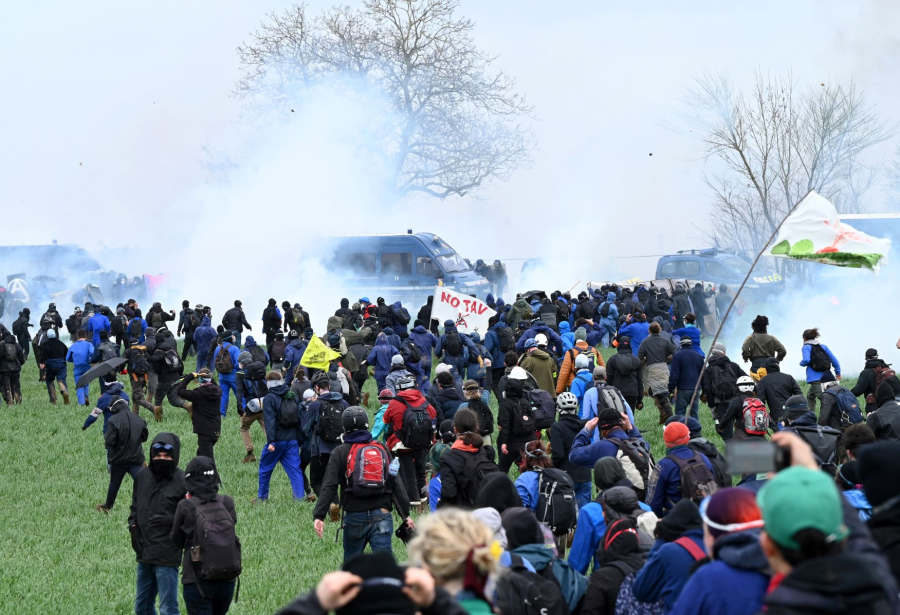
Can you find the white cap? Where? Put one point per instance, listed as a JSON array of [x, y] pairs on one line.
[[441, 368]]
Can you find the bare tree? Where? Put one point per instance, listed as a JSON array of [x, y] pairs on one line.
[[451, 124], [777, 142]]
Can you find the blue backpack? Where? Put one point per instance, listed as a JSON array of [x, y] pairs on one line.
[[847, 404]]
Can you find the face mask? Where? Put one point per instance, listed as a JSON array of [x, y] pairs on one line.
[[163, 467]]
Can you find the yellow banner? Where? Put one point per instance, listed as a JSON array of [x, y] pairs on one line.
[[318, 355]]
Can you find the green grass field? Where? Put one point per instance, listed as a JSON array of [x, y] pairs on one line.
[[60, 555]]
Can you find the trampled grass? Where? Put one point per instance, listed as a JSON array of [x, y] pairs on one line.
[[60, 555]]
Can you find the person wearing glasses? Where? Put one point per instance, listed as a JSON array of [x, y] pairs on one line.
[[157, 490]]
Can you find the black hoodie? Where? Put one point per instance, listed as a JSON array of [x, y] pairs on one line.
[[514, 391], [865, 386], [621, 557], [201, 480], [153, 503], [125, 434], [776, 388]]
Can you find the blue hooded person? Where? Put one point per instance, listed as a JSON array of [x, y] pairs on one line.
[[611, 320], [380, 356]]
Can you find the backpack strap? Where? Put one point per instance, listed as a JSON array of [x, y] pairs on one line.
[[691, 547]]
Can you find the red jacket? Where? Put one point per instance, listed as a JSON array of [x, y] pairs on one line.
[[393, 416]]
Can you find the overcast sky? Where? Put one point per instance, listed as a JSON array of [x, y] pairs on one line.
[[106, 106]]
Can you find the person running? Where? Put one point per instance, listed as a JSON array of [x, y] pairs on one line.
[[226, 362], [655, 353], [12, 357], [157, 490], [411, 420], [251, 391], [205, 416], [759, 346], [79, 355], [203, 597], [53, 353], [281, 411], [818, 361], [684, 377], [367, 508], [668, 489], [516, 421], [124, 437], [562, 437]]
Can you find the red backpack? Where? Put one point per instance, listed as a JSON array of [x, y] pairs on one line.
[[756, 417], [367, 469]]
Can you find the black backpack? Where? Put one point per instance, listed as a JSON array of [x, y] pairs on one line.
[[383, 313], [135, 328], [48, 322], [604, 309], [417, 430], [543, 407], [108, 351], [119, 324], [10, 351], [523, 419], [410, 352], [401, 316], [556, 506], [827, 445], [484, 415], [223, 362], [216, 552], [697, 481], [724, 383], [523, 592], [258, 354], [278, 347], [507, 339], [173, 361], [563, 310], [454, 345], [819, 360], [478, 465], [289, 413], [139, 363], [330, 427], [350, 320], [636, 460]]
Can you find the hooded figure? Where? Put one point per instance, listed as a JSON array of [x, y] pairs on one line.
[[157, 490], [775, 389], [498, 492], [620, 555], [124, 437], [380, 357], [885, 421]]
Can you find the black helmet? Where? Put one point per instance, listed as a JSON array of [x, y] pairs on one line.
[[319, 378], [354, 418]]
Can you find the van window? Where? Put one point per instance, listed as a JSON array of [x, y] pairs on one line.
[[452, 263], [668, 270], [396, 263], [717, 270], [357, 263], [425, 266], [688, 269]]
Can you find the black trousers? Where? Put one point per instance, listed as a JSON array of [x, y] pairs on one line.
[[412, 470], [514, 453], [116, 476], [165, 387], [206, 446], [188, 344], [496, 375], [317, 473]]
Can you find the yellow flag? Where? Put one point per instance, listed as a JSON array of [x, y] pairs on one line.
[[318, 355]]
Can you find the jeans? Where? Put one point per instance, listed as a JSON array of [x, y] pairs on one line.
[[202, 360], [373, 527], [288, 453], [412, 471], [237, 339], [226, 386], [583, 494], [116, 475], [153, 580], [683, 399], [217, 601]]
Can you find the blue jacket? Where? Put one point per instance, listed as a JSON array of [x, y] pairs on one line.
[[566, 335], [580, 384], [586, 453], [612, 320], [434, 492], [293, 352], [527, 486], [589, 409], [235, 352], [735, 582], [80, 354], [401, 330], [638, 332], [271, 406], [104, 402], [318, 446], [203, 336], [96, 324], [492, 344], [684, 371], [249, 343], [553, 339], [668, 486], [692, 332], [380, 356], [392, 338], [857, 500], [588, 534], [143, 322], [595, 334], [666, 571], [425, 341], [811, 374], [460, 362]]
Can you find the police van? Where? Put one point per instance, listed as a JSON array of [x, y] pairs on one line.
[[403, 268], [716, 266]]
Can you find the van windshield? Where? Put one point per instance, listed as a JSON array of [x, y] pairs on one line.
[[738, 265], [452, 263]]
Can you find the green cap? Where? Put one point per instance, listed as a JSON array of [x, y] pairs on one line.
[[798, 499]]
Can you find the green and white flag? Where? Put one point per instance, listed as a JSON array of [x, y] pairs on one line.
[[814, 233]]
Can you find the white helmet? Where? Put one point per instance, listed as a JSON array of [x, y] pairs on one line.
[[518, 373], [567, 403], [541, 339], [745, 384]]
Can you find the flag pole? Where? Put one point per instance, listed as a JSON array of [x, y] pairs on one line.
[[733, 299]]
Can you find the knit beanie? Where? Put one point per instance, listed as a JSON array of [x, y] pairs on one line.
[[608, 418], [878, 465], [580, 334], [676, 434]]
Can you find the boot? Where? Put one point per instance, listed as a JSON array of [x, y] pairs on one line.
[[65, 395], [365, 399], [18, 398], [157, 413], [249, 458], [335, 511], [135, 408], [664, 414], [52, 393]]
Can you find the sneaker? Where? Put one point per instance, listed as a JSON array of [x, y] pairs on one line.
[[335, 511], [249, 458], [101, 508], [415, 502], [157, 413]]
